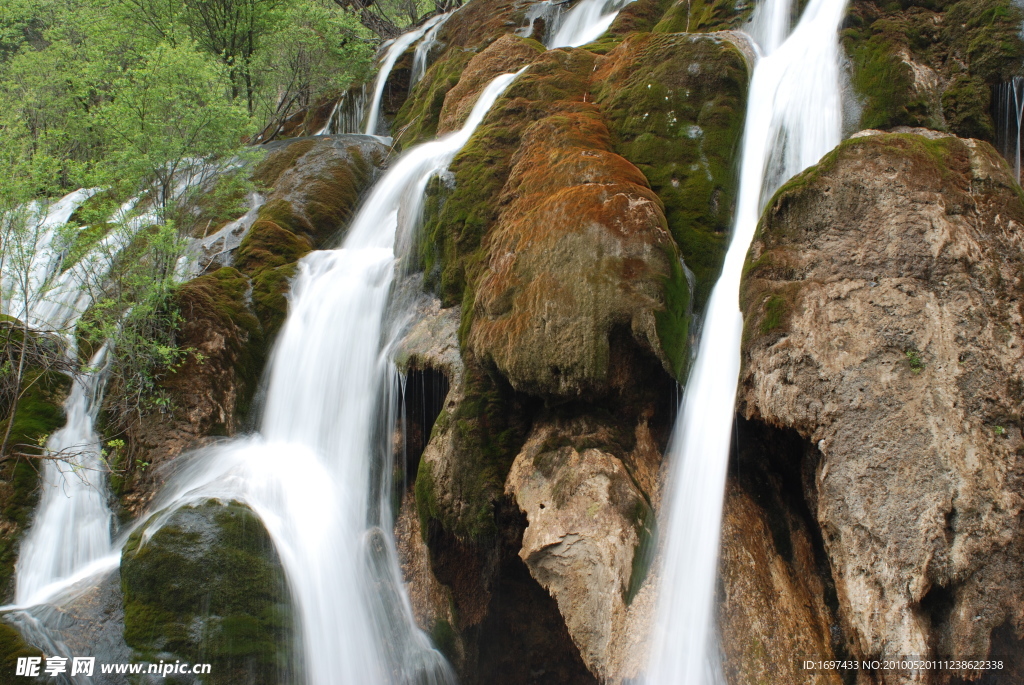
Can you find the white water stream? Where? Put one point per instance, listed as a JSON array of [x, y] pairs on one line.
[[394, 51], [422, 52], [794, 117], [308, 473], [586, 22]]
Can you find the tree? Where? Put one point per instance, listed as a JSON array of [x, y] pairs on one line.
[[317, 52], [166, 119]]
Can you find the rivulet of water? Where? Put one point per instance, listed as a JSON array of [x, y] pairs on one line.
[[794, 116]]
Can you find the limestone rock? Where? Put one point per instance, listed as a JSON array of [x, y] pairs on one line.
[[882, 303], [587, 521]]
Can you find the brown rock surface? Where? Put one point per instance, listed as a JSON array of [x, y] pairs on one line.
[[883, 323], [580, 248]]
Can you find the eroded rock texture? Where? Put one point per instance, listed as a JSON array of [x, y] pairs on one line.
[[883, 324]]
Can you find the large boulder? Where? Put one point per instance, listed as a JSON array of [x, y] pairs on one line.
[[207, 586], [882, 302]]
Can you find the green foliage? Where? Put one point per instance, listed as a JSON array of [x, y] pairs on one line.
[[133, 312], [914, 360], [169, 110]]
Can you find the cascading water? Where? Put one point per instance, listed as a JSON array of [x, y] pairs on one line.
[[308, 473], [794, 116], [423, 48], [586, 22], [70, 537], [71, 532], [1009, 110], [394, 51]]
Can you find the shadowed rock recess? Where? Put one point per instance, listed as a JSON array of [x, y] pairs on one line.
[[875, 500]]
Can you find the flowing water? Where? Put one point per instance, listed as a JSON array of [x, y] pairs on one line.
[[1009, 110], [309, 472], [70, 536], [423, 48], [794, 116], [394, 51], [586, 22]]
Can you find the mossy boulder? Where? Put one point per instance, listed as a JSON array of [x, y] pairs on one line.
[[208, 587], [315, 186], [933, 64], [13, 647], [676, 105], [579, 249]]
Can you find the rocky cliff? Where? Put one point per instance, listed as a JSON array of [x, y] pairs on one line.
[[876, 487]]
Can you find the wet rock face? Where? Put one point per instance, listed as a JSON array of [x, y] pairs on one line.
[[208, 587], [580, 248], [583, 543], [932, 62], [883, 323]]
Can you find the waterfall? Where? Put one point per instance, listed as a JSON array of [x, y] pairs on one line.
[[71, 531], [422, 53], [308, 473], [586, 22], [69, 538], [1009, 111], [394, 51], [794, 116]]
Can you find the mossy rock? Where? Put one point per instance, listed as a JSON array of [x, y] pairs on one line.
[[208, 587], [12, 647], [487, 430], [959, 51], [677, 104], [703, 16], [220, 299], [417, 120], [459, 211]]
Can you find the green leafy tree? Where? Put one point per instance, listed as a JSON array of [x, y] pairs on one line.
[[167, 118]]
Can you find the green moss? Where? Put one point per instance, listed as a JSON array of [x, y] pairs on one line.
[[270, 169], [458, 216], [702, 16], [676, 105], [223, 297], [644, 522], [488, 430], [971, 44], [418, 117], [12, 646], [673, 322], [776, 310], [445, 638], [208, 587]]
